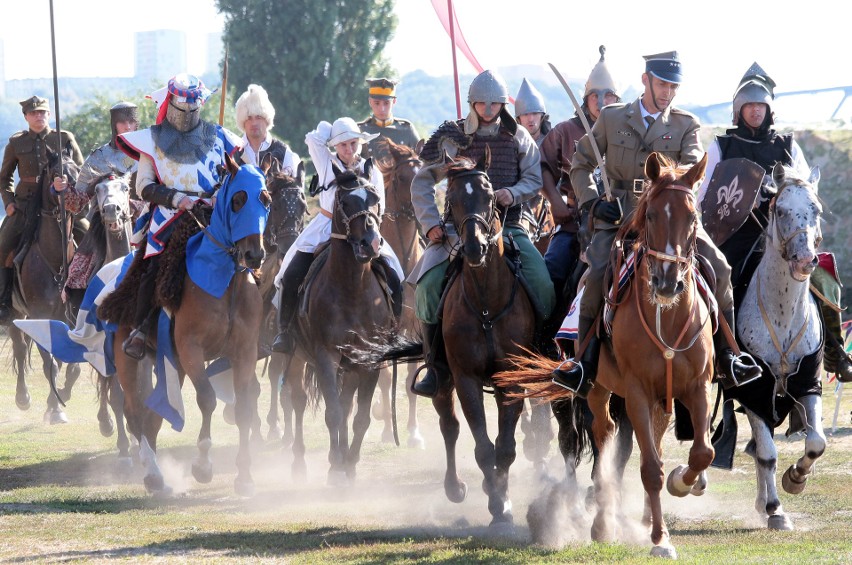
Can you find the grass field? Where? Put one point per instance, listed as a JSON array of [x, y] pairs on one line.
[[62, 499]]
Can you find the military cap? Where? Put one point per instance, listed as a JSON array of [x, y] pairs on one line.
[[664, 66], [382, 88], [34, 103]]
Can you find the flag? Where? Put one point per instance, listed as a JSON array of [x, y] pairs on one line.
[[443, 11]]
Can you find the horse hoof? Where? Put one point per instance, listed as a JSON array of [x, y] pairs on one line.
[[664, 551], [700, 486], [675, 484], [22, 401], [244, 487], [502, 526], [106, 427], [55, 416], [456, 492], [228, 414], [337, 478], [124, 466], [780, 522], [790, 483], [203, 473], [415, 441], [378, 411], [154, 483]]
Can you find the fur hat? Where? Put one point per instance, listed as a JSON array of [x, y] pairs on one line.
[[254, 102]]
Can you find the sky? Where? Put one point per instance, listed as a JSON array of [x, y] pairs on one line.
[[801, 47]]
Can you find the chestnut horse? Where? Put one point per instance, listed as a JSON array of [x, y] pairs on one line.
[[660, 349], [401, 232]]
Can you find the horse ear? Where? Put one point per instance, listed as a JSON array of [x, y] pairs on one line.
[[230, 165], [300, 174], [419, 147], [485, 161], [696, 173], [652, 167], [813, 179], [778, 174], [335, 170]]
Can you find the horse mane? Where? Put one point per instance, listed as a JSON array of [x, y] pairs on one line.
[[460, 165], [281, 180], [398, 152]]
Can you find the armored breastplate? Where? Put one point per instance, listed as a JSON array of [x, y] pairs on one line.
[[765, 153], [503, 171]]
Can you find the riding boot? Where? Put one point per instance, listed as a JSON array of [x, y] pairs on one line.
[[6, 278], [835, 359], [580, 377], [432, 342], [294, 276], [733, 370], [134, 345], [394, 285]]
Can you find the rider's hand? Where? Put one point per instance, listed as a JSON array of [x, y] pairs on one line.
[[436, 234], [607, 211], [60, 183], [186, 203], [10, 210], [561, 213], [504, 197]]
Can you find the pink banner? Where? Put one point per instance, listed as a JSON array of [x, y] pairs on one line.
[[443, 14]]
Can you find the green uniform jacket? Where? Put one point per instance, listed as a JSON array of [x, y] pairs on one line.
[[27, 151], [625, 142], [399, 131]]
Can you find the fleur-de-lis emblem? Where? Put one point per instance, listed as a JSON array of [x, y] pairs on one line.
[[727, 197]]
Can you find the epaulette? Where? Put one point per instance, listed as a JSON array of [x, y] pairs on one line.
[[364, 122], [448, 131], [402, 122], [683, 112]]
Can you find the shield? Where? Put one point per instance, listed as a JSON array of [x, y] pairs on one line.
[[730, 197]]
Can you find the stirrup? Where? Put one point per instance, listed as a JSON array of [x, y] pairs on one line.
[[733, 374], [426, 393], [135, 338], [582, 387]]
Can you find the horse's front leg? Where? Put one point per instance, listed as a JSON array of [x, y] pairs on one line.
[[382, 406], [366, 382], [246, 392], [54, 413], [508, 413], [295, 383], [691, 478], [191, 357], [335, 416], [19, 354], [445, 406], [122, 442], [762, 448], [105, 423], [794, 479], [603, 430], [276, 370]]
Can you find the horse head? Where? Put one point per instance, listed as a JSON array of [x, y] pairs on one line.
[[356, 214], [58, 164], [289, 206], [794, 220], [112, 194], [240, 213], [472, 207], [667, 222], [399, 167]]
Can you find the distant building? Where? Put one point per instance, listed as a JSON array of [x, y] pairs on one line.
[[160, 54], [215, 52]]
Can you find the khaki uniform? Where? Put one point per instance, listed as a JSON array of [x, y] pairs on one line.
[[27, 152], [399, 131], [624, 139]]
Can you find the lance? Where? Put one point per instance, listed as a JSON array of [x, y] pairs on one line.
[[63, 216], [588, 129], [452, 17], [224, 88]]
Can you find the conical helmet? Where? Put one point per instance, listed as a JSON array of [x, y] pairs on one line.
[[600, 80], [488, 87], [755, 86], [529, 100]]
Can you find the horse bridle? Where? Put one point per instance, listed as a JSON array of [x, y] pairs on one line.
[[367, 212], [683, 261], [785, 240], [486, 222], [291, 202]]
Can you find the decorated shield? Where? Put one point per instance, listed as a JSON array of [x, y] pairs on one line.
[[730, 197]]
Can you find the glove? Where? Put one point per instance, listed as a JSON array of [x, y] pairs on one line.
[[607, 211]]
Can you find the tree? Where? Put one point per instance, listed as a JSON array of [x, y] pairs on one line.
[[312, 56]]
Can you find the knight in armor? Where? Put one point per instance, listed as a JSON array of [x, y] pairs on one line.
[[382, 98], [531, 113], [515, 174], [346, 139], [28, 152], [557, 150], [626, 134], [178, 159], [255, 117], [754, 138], [106, 160]]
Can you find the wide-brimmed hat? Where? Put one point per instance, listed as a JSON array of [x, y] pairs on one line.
[[345, 129]]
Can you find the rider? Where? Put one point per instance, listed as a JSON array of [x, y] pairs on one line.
[[753, 138], [256, 116], [382, 98], [27, 151], [105, 160], [530, 112], [626, 134], [178, 160], [347, 140], [515, 174], [557, 150]]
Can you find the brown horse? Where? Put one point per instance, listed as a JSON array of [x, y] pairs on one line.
[[40, 276], [206, 327], [401, 232], [343, 304], [661, 349], [486, 317]]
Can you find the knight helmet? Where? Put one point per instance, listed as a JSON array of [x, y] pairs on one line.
[[755, 86], [122, 112]]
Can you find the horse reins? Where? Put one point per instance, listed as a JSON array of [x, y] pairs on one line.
[[406, 212]]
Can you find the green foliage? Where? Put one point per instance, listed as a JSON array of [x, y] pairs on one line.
[[311, 56]]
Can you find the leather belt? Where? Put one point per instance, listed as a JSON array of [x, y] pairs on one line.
[[326, 213], [636, 186], [31, 179]]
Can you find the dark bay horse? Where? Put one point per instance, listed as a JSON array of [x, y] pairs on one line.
[[661, 349], [41, 271], [344, 304], [401, 232], [206, 327], [486, 317]]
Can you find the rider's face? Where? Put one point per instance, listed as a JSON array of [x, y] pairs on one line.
[[348, 151]]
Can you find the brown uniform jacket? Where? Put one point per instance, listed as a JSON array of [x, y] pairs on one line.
[[625, 142], [27, 151]]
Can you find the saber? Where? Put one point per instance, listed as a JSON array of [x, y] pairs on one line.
[[224, 88], [588, 128]]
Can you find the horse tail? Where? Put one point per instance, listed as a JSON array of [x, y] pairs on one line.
[[391, 345], [531, 372], [575, 439]]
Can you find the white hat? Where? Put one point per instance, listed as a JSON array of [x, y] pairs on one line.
[[255, 102], [345, 129]]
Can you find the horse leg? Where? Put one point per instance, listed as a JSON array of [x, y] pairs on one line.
[[366, 388], [762, 448], [19, 353], [105, 423], [794, 479], [382, 406], [54, 413], [508, 413], [603, 429], [192, 360], [444, 405], [122, 442], [246, 393], [540, 415], [415, 439], [335, 418], [72, 373], [684, 479], [296, 384], [275, 371]]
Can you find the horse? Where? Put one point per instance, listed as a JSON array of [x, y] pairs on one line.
[[343, 303], [41, 270], [205, 327], [778, 302], [401, 232], [660, 349]]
